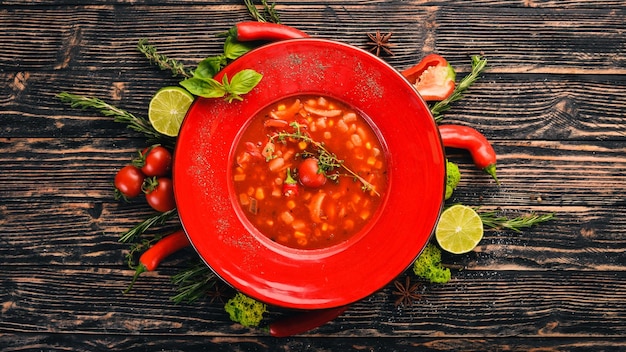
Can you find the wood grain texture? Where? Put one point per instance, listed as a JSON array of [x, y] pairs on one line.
[[503, 107], [522, 39], [475, 303], [552, 101]]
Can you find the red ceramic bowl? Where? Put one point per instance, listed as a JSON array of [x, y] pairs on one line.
[[344, 273]]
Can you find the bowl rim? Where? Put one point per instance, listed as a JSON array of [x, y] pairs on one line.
[[311, 279]]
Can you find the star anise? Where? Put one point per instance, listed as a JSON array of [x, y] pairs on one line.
[[380, 43], [219, 293], [407, 293]]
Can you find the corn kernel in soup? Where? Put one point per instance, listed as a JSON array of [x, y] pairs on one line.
[[309, 172]]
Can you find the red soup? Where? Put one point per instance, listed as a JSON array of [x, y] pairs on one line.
[[309, 172]]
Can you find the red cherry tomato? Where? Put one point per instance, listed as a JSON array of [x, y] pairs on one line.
[[155, 161], [160, 193], [310, 175], [128, 181]]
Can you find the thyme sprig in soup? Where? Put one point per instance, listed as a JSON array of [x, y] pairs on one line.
[[309, 172]]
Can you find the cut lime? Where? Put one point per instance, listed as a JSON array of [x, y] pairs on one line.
[[459, 229], [168, 108]]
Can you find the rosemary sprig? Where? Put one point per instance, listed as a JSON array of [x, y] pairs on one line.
[[159, 219], [193, 283], [119, 115], [268, 9], [478, 65], [327, 161], [164, 62], [493, 220]]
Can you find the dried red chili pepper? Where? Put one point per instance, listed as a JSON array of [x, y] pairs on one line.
[[251, 31], [464, 137], [433, 77], [152, 257], [303, 322], [290, 185]]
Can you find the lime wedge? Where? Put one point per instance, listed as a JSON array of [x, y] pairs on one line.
[[459, 229], [168, 108]]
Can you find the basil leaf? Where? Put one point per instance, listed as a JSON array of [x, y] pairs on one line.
[[225, 83], [243, 81], [209, 67], [207, 88], [234, 49]]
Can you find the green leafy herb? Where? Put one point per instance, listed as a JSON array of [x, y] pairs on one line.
[[209, 67], [494, 220], [241, 83], [327, 161], [194, 283], [207, 88], [200, 81], [233, 49], [133, 122], [478, 65], [268, 10], [164, 62], [159, 219]]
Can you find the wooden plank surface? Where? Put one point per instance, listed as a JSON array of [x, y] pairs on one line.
[[552, 101]]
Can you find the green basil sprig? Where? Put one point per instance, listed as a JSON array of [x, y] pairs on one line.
[[241, 83], [204, 85]]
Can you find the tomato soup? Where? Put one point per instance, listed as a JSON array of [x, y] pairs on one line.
[[309, 172]]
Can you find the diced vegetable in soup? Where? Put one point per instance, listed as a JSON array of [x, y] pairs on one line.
[[309, 172]]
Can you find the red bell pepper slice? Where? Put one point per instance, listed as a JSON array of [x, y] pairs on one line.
[[433, 77]]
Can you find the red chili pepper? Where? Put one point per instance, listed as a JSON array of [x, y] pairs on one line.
[[152, 257], [464, 137], [290, 185], [303, 322], [433, 77], [251, 31]]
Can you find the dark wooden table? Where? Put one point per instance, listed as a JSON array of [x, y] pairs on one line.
[[552, 101]]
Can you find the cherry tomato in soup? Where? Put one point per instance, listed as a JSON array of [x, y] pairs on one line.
[[155, 161], [310, 175], [160, 193], [128, 181]]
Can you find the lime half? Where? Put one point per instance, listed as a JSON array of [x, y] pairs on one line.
[[168, 108], [459, 229]]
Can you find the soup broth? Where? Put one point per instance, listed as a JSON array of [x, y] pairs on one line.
[[274, 184]]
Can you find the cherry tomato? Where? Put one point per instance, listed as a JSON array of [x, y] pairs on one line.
[[160, 193], [310, 175], [128, 181], [155, 161]]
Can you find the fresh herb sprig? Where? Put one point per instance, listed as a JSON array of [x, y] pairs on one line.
[[478, 66], [133, 122], [327, 160], [268, 10], [200, 81], [241, 83], [193, 283], [158, 219], [494, 220], [164, 62]]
